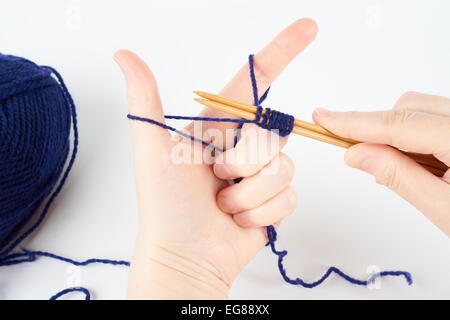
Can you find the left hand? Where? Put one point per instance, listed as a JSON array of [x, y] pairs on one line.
[[196, 233]]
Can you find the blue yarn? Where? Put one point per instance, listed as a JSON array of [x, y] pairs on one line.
[[30, 256], [181, 133], [86, 292], [272, 235], [273, 120], [36, 116], [283, 125]]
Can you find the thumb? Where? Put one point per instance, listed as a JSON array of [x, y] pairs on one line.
[[150, 142], [401, 174]]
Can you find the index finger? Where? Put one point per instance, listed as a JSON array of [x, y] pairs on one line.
[[421, 102], [406, 130], [268, 64]]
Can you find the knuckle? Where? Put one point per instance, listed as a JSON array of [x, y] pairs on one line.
[[252, 218], [388, 118], [444, 156], [349, 115], [287, 167], [348, 130], [240, 164], [138, 95], [263, 79], [389, 177], [292, 199], [277, 224], [396, 118], [404, 116], [244, 220], [405, 100], [243, 170], [227, 201], [236, 170]]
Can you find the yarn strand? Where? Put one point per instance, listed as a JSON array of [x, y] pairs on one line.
[[29, 256], [87, 294], [283, 125], [272, 235]]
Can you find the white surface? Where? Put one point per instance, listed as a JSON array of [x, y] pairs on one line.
[[366, 55]]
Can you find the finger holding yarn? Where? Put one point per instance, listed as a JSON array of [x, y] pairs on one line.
[[269, 64], [283, 126]]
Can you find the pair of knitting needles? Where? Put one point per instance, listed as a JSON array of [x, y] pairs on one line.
[[306, 129]]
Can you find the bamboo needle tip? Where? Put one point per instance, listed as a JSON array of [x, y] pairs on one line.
[[200, 93], [202, 101]]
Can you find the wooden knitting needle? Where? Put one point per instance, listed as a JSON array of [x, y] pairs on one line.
[[252, 109], [311, 134], [306, 129], [313, 127], [251, 116]]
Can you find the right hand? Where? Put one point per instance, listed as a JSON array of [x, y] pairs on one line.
[[418, 123]]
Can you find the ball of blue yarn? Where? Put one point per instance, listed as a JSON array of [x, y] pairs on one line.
[[36, 113]]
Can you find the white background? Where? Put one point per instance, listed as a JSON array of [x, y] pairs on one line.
[[367, 53]]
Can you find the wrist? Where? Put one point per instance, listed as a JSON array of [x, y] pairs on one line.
[[160, 273]]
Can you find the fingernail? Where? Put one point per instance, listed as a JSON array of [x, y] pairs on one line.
[[310, 28], [243, 221], [365, 164], [358, 160], [221, 171], [219, 159], [322, 112], [225, 203]]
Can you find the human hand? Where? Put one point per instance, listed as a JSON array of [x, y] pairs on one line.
[[418, 123], [197, 232]]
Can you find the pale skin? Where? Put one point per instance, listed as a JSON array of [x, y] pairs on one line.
[[418, 123], [196, 230]]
